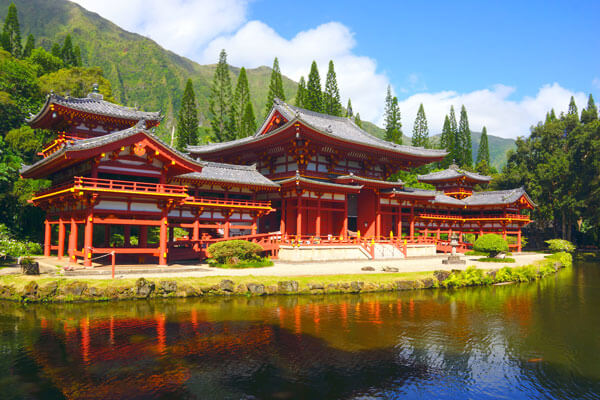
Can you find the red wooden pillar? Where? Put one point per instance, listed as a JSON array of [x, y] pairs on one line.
[[87, 242], [47, 238], [106, 235], [283, 216], [127, 235], [318, 219], [437, 235], [519, 240], [196, 232], [377, 217], [253, 225], [345, 223], [61, 238], [299, 218], [143, 242], [162, 247], [399, 228], [226, 228], [73, 241], [412, 222]]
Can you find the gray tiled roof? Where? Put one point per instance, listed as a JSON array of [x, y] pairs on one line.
[[299, 178], [94, 104], [229, 173], [497, 197], [91, 143], [369, 180], [338, 127], [452, 173]]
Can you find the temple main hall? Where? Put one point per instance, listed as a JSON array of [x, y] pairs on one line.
[[306, 186]]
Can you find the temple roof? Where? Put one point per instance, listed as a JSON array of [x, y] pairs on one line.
[[94, 104], [376, 182], [338, 127], [95, 142], [298, 178], [497, 197], [453, 172], [229, 173]]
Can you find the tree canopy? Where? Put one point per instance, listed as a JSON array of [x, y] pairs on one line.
[[187, 121]]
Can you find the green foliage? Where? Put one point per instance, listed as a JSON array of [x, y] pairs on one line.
[[331, 96], [497, 260], [67, 53], [220, 102], [275, 87], [314, 98], [29, 46], [491, 244], [11, 32], [248, 125], [241, 109], [76, 82], [464, 139], [590, 113], [27, 142], [357, 120], [301, 94], [349, 112], [11, 247], [187, 123], [483, 154], [44, 62], [260, 263], [227, 251], [420, 136], [560, 245], [393, 126], [18, 81]]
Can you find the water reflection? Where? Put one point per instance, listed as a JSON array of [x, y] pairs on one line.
[[517, 341]]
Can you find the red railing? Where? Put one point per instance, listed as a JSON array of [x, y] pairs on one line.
[[473, 218], [116, 185], [229, 202]]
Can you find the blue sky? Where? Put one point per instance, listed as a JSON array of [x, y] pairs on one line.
[[508, 62]]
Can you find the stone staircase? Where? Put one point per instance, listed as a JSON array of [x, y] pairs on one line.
[[382, 251]]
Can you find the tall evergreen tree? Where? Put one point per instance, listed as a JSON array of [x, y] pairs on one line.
[[572, 117], [589, 114], [55, 50], [275, 87], [219, 102], [314, 96], [29, 46], [446, 141], [241, 99], [349, 112], [301, 93], [464, 134], [331, 97], [11, 33], [248, 126], [357, 120], [67, 54], [454, 142], [420, 129], [483, 154], [77, 54], [393, 126], [187, 121]]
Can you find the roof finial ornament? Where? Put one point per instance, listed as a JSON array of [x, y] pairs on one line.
[[141, 124], [453, 165], [95, 94]]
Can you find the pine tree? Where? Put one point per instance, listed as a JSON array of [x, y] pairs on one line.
[[187, 122], [331, 96], [464, 134], [454, 142], [393, 126], [248, 126], [446, 141], [275, 87], [572, 117], [241, 98], [590, 114], [219, 102], [77, 54], [483, 154], [420, 129], [67, 54], [29, 46], [349, 112], [301, 94], [357, 120], [11, 33], [55, 50], [314, 97]]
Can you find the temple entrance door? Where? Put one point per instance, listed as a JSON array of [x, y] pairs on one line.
[[352, 200]]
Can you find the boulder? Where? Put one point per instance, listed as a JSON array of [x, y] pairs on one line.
[[441, 276], [405, 285], [30, 268], [74, 288], [49, 289], [30, 291], [187, 291], [367, 269], [287, 286], [333, 286], [370, 287], [144, 288], [94, 291], [390, 269], [427, 283], [316, 286], [226, 285], [256, 288], [241, 289], [271, 289], [356, 286], [492, 273], [345, 285], [6, 291], [168, 286]]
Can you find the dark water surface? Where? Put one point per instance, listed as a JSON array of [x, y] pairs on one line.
[[538, 340]]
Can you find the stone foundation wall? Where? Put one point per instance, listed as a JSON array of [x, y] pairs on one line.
[[421, 250], [322, 253]]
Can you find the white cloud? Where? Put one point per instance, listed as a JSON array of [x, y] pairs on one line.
[[596, 83], [492, 108]]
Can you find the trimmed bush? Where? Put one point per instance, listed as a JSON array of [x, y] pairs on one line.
[[234, 251], [559, 245], [497, 260], [491, 244]]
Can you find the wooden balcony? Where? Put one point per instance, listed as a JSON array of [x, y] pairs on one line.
[[498, 217], [228, 203]]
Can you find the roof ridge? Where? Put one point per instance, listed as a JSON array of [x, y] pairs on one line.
[[230, 166]]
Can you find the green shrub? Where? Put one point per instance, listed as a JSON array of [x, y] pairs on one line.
[[11, 247], [233, 251], [491, 244], [559, 245], [497, 260], [261, 262]]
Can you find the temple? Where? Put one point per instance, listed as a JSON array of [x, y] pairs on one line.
[[306, 186]]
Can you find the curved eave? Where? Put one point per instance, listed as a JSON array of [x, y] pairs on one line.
[[369, 182], [310, 183], [458, 178], [228, 183]]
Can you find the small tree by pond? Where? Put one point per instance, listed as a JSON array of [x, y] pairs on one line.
[[491, 244], [233, 252], [558, 245]]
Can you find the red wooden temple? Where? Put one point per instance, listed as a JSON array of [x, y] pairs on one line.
[[306, 186]]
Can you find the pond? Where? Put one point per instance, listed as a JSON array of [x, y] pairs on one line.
[[537, 340]]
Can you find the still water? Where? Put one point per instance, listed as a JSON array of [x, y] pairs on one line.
[[538, 340]]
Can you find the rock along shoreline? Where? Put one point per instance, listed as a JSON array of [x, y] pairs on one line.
[[60, 290]]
